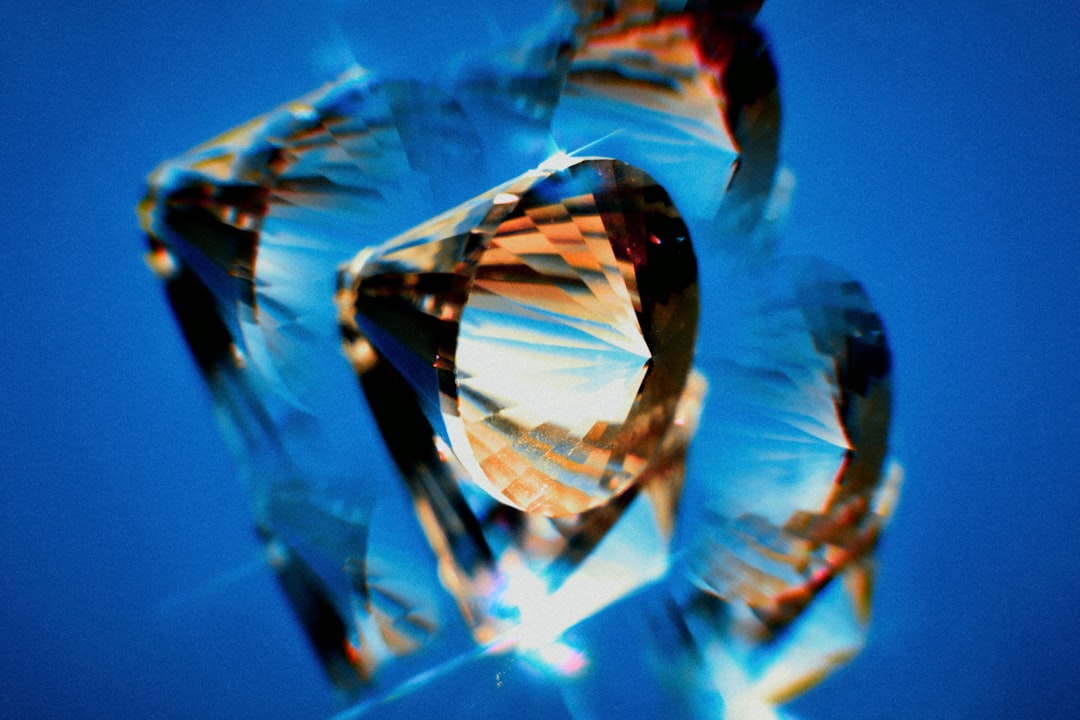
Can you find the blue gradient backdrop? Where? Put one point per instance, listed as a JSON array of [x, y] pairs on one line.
[[936, 150]]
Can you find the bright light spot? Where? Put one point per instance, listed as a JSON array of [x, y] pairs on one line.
[[559, 161], [561, 658]]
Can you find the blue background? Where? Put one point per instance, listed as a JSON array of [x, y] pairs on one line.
[[935, 147]]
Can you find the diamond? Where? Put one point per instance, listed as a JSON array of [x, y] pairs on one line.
[[536, 440], [547, 326], [779, 565]]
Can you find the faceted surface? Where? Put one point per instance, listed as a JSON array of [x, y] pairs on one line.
[[495, 412], [566, 319]]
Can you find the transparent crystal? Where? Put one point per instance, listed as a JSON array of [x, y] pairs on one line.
[[547, 327], [515, 372]]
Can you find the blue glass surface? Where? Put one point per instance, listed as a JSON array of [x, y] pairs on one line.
[[935, 153]]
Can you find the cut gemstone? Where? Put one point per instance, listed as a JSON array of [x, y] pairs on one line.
[[688, 95], [666, 512], [548, 327], [638, 91], [247, 231], [779, 564]]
